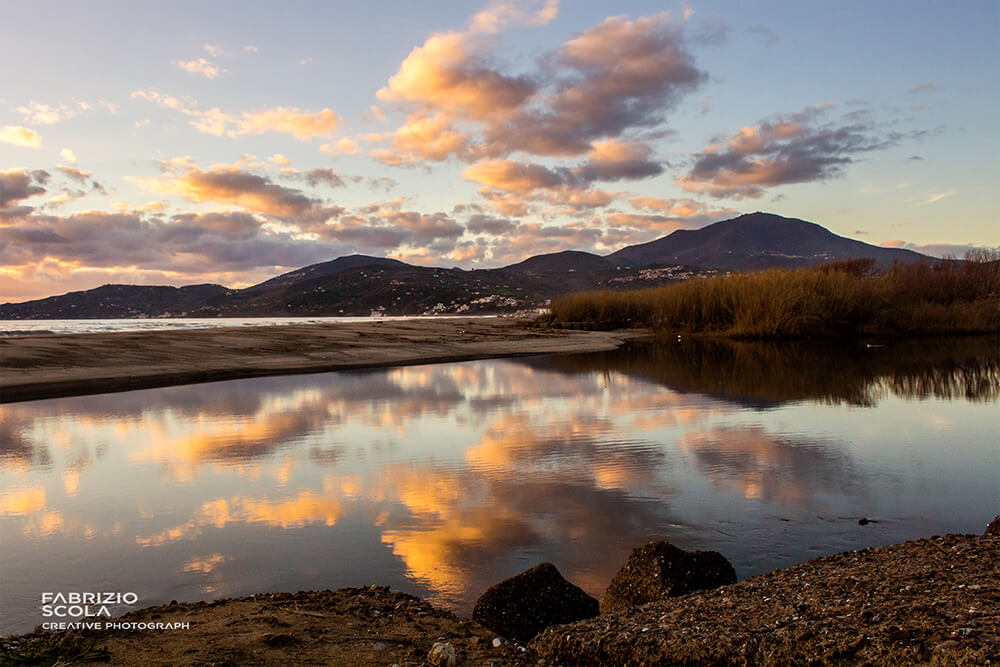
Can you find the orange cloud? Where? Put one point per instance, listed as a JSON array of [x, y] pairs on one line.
[[44, 114], [20, 136], [502, 13], [423, 138], [680, 208], [344, 146], [229, 184], [300, 124], [518, 177], [199, 66], [445, 74]]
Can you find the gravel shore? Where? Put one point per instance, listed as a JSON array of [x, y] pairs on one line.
[[934, 601]]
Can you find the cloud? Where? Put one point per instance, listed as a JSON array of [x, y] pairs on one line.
[[615, 160], [317, 176], [228, 184], [499, 14], [506, 203], [215, 51], [20, 136], [789, 148], [423, 138], [658, 223], [935, 198], [199, 66], [928, 87], [484, 224], [68, 155], [288, 120], [302, 125], [78, 175], [44, 114], [514, 176], [448, 73], [958, 250], [343, 146], [680, 208], [608, 160], [615, 76], [16, 185]]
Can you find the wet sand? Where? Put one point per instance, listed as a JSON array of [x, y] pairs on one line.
[[48, 366]]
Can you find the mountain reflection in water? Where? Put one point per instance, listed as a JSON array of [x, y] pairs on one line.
[[443, 479]]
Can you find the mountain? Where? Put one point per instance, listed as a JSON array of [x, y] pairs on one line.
[[326, 269], [112, 301], [757, 241], [567, 260], [361, 284]]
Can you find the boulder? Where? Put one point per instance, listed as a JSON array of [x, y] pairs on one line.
[[660, 570], [522, 606], [994, 527]]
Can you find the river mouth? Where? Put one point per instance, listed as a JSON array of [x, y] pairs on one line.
[[440, 480]]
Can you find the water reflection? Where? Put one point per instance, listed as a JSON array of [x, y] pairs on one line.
[[762, 374], [442, 479], [760, 465]]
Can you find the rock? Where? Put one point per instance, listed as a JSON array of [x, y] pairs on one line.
[[442, 654], [994, 527], [522, 606], [660, 570]]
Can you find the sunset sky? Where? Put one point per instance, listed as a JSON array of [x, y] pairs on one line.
[[184, 142]]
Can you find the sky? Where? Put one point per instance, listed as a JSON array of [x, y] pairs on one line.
[[191, 142]]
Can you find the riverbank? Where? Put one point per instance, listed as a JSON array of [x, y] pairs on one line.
[[933, 600], [48, 366], [838, 300]]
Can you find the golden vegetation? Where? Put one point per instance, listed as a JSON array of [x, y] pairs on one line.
[[842, 298]]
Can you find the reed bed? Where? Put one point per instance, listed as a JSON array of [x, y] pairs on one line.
[[842, 298]]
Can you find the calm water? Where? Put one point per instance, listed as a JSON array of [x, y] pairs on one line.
[[33, 327], [440, 480]]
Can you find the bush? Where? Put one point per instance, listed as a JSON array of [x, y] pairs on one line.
[[841, 298]]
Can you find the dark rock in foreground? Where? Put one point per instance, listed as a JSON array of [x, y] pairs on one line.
[[994, 527], [659, 570], [931, 601], [522, 606]]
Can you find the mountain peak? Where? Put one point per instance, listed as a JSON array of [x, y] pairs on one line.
[[755, 241]]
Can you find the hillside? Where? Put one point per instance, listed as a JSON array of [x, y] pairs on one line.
[[757, 241], [361, 284]]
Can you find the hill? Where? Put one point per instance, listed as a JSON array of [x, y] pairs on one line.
[[362, 284], [757, 241]]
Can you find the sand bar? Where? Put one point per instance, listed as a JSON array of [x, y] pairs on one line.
[[47, 366]]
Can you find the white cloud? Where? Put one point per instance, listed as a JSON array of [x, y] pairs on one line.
[[200, 66]]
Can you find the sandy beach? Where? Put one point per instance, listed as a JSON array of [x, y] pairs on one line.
[[48, 366]]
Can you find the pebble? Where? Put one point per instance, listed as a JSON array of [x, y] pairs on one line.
[[497, 642], [442, 654]]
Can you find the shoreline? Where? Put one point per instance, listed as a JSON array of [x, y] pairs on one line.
[[935, 600], [60, 365]]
